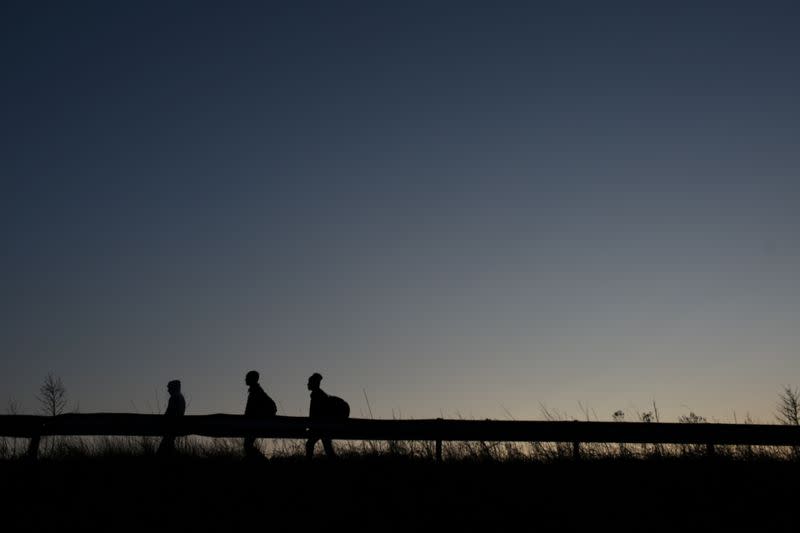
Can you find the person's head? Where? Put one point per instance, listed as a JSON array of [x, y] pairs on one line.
[[174, 386], [314, 381], [251, 378]]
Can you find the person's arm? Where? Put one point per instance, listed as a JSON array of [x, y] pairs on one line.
[[317, 407], [248, 409], [313, 407], [172, 407]]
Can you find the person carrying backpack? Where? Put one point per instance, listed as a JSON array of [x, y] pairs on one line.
[[323, 407], [259, 405]]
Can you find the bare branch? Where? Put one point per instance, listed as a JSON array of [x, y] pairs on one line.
[[52, 396], [13, 407], [788, 410]]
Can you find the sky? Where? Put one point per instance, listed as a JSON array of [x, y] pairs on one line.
[[458, 209]]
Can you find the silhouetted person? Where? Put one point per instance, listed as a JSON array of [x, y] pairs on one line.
[[259, 405], [323, 407], [176, 407]]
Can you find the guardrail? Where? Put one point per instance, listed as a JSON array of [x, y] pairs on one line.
[[435, 430]]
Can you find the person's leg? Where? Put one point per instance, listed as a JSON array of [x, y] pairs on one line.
[[310, 443], [250, 449], [328, 445], [166, 447]]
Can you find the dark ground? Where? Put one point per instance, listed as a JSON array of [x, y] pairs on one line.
[[391, 493]]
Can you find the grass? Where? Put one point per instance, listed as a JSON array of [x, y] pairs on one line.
[[213, 488], [119, 484], [192, 447]]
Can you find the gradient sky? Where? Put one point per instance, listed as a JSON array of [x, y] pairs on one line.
[[462, 210]]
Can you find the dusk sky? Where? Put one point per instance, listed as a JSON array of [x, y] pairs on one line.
[[463, 209]]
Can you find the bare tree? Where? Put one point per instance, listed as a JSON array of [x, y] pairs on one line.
[[788, 406], [692, 418], [52, 396], [13, 407]]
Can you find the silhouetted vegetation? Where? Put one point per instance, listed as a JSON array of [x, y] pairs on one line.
[[52, 396], [789, 406], [201, 448], [115, 484], [118, 483]]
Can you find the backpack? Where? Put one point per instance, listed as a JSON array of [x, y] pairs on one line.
[[338, 408], [270, 409]]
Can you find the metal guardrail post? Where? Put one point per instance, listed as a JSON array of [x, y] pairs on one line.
[[438, 445], [33, 447]]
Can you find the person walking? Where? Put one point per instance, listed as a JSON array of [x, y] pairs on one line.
[[176, 407], [259, 405], [323, 407]]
